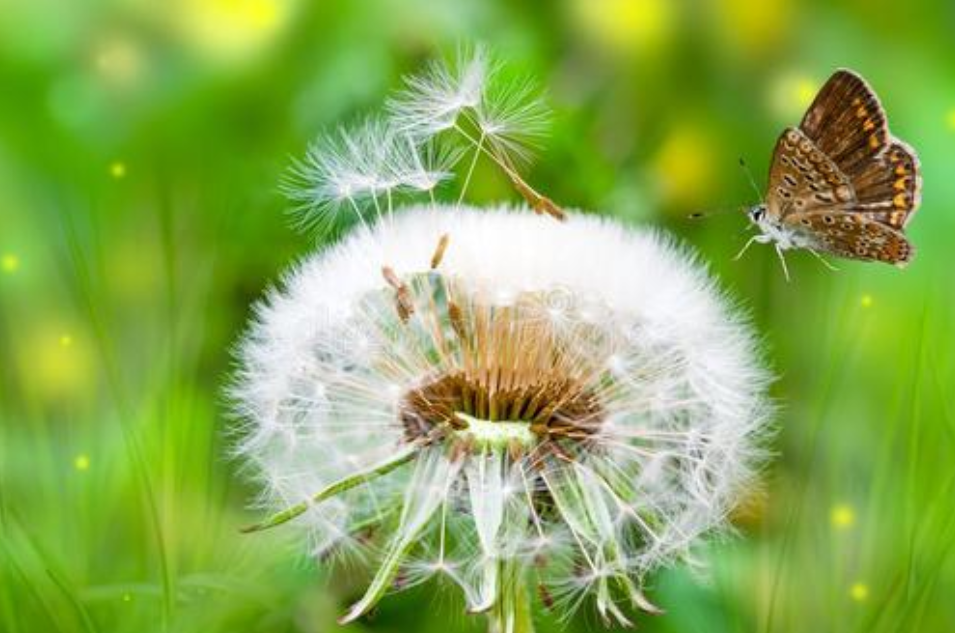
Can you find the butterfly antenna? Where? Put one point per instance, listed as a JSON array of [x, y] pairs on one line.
[[752, 181]]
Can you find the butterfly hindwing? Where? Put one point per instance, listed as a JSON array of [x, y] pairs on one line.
[[854, 236], [888, 188]]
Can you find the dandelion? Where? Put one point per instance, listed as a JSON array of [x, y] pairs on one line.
[[532, 411], [572, 404]]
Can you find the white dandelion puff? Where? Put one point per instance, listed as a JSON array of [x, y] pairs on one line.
[[561, 405]]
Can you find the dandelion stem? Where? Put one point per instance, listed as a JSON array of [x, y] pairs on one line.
[[479, 145], [347, 483], [538, 202], [511, 612], [361, 218]]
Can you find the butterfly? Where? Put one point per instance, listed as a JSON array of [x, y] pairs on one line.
[[840, 183]]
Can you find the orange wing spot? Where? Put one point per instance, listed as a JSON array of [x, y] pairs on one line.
[[862, 112], [896, 218], [901, 183], [874, 141], [868, 126], [900, 201], [857, 101], [900, 170]]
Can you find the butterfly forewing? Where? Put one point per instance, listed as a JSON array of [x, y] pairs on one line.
[[847, 122], [802, 178]]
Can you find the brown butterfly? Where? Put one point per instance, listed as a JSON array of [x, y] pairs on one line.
[[840, 183]]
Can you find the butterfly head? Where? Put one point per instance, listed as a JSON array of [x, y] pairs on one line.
[[757, 215]]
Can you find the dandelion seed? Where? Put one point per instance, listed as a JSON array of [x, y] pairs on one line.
[[432, 101], [513, 118], [484, 439]]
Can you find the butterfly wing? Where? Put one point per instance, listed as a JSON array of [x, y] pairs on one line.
[[841, 181], [854, 236], [803, 178], [888, 188], [846, 122]]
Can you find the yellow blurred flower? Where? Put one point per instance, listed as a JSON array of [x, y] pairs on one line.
[[842, 516], [230, 30], [9, 263], [755, 26], [625, 26], [859, 591], [684, 167]]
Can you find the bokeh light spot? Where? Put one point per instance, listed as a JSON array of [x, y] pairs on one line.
[[66, 340], [866, 301], [119, 60], [951, 119], [9, 263], [117, 169], [791, 93], [81, 462], [859, 591], [842, 516]]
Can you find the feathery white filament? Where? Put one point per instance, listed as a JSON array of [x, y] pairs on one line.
[[356, 172], [650, 383]]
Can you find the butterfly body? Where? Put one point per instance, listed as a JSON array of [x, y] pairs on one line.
[[840, 184]]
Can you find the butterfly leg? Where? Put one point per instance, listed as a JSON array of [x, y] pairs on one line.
[[749, 242], [782, 260], [823, 260]]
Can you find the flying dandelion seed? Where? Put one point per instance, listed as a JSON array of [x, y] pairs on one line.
[[490, 397]]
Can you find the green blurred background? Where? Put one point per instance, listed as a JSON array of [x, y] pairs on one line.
[[141, 147]]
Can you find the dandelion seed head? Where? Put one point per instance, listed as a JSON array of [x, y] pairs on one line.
[[593, 447]]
